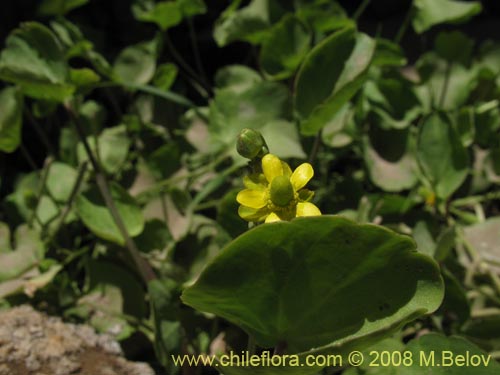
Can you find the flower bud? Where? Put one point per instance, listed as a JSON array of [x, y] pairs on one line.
[[281, 191], [251, 144]]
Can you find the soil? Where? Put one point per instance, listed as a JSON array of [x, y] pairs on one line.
[[32, 343]]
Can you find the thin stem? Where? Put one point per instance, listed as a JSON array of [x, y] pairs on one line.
[[360, 9], [280, 348], [39, 131], [470, 201], [404, 26], [180, 60], [251, 346], [74, 191], [144, 268], [196, 51], [41, 189], [164, 94], [315, 148], [446, 83], [28, 157]]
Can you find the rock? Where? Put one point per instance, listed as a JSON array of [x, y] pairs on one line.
[[32, 343]]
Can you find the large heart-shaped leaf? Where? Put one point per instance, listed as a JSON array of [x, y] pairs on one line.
[[433, 12], [442, 156], [95, 214], [315, 282], [34, 60], [11, 107], [331, 74]]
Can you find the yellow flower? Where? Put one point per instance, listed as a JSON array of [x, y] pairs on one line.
[[277, 193]]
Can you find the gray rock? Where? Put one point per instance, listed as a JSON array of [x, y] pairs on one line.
[[33, 344]]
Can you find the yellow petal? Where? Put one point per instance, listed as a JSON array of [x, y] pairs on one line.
[[271, 166], [287, 172], [301, 175], [307, 209], [253, 214], [272, 217], [255, 182], [252, 198]]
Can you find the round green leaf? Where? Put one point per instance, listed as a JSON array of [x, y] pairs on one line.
[[34, 59], [96, 216], [390, 158], [444, 159], [318, 281], [136, 64], [61, 179]]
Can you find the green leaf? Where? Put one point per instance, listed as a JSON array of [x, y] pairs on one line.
[[390, 158], [331, 74], [165, 76], [429, 13], [11, 115], [294, 283], [191, 8], [485, 239], [60, 181], [227, 214], [83, 77], [394, 103], [164, 161], [34, 60], [466, 126], [388, 53], [442, 156], [323, 16], [238, 78], [95, 214], [445, 349], [338, 132], [165, 14], [164, 296], [59, 7], [454, 46], [114, 294], [28, 253], [249, 23], [258, 106], [154, 237], [113, 144], [285, 48], [443, 86], [136, 64]]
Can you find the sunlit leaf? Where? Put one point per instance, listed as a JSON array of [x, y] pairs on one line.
[[34, 60], [429, 13], [94, 213], [293, 283]]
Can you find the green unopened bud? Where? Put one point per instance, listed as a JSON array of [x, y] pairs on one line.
[[251, 144], [281, 191]]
